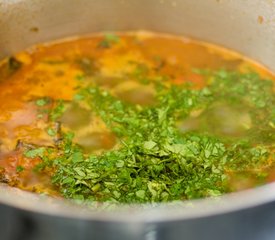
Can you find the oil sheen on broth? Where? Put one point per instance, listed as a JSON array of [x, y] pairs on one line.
[[135, 117]]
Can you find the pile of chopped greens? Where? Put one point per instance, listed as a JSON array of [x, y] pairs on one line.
[[155, 161]]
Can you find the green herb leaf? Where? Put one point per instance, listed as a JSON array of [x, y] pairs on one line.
[[20, 169]]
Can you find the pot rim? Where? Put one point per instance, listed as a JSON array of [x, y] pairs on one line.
[[160, 212]]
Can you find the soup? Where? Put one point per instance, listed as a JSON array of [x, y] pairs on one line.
[[135, 117]]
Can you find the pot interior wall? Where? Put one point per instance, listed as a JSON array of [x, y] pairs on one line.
[[245, 26]]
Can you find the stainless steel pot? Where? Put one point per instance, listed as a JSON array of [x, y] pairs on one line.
[[243, 25]]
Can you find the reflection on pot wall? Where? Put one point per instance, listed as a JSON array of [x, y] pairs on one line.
[[246, 26]]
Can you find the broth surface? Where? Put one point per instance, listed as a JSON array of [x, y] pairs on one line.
[[135, 117]]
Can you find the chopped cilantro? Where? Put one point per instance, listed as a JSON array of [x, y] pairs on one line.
[[78, 97], [33, 153], [57, 111], [156, 162], [80, 77], [51, 132], [108, 40], [42, 102], [20, 169]]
